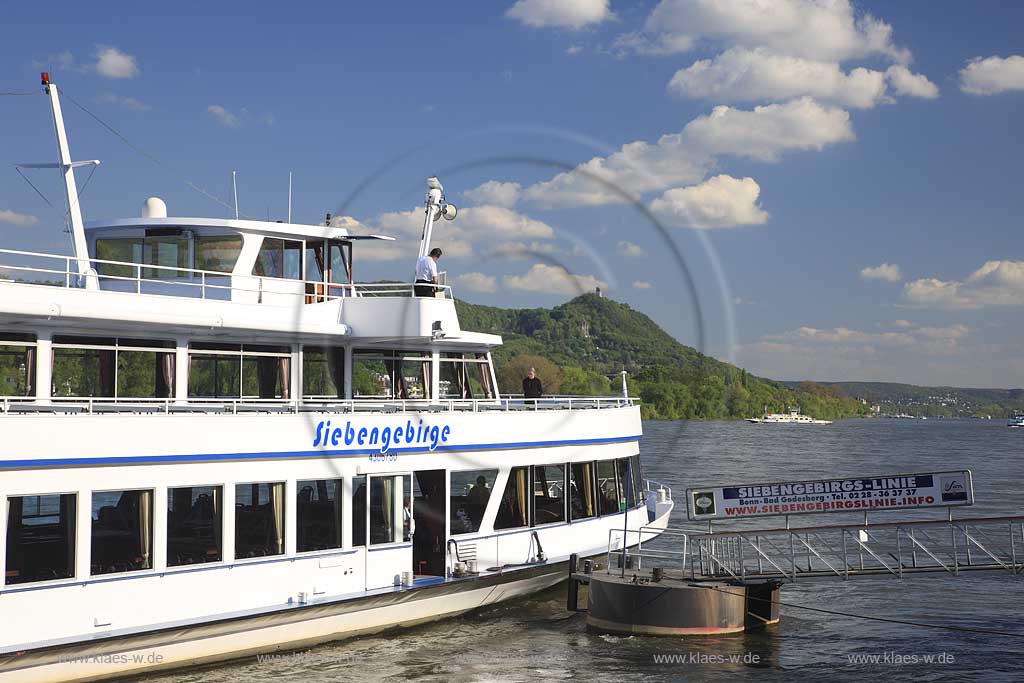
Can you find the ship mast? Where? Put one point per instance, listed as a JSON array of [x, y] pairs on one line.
[[67, 168]]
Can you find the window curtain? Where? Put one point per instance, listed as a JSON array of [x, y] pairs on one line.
[[107, 362], [276, 505], [588, 488], [145, 526], [216, 522], [427, 365], [30, 371], [336, 368], [485, 375], [284, 376], [388, 501], [521, 488], [165, 375]]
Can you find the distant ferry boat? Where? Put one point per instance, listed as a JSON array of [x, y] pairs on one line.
[[215, 443], [792, 417], [1016, 420]]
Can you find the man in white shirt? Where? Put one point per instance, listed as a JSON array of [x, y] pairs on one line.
[[426, 273]]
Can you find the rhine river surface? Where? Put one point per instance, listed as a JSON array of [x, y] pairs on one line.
[[536, 639]]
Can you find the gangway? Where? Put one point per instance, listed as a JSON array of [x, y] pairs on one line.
[[842, 551]]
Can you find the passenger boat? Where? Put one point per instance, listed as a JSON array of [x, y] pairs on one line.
[[1015, 420], [792, 417], [216, 443]]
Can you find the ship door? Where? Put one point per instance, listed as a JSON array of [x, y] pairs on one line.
[[389, 516], [430, 498]]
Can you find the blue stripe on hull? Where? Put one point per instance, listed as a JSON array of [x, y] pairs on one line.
[[284, 455]]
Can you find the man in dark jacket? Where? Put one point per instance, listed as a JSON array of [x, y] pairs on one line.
[[532, 388]]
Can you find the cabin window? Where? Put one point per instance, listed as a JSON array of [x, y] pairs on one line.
[[40, 538], [239, 371], [323, 372], [112, 367], [122, 531], [627, 488], [279, 259], [514, 511], [582, 501], [391, 374], [607, 489], [470, 491], [359, 511], [548, 494], [194, 515], [17, 365], [390, 510], [465, 376], [217, 253], [259, 520], [318, 515]]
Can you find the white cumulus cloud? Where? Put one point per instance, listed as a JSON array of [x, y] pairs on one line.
[[906, 82], [114, 63], [719, 202], [574, 14], [496, 193], [889, 272], [549, 279], [627, 248], [751, 75], [815, 29], [992, 75], [996, 283], [223, 116], [641, 284], [21, 220], [477, 282]]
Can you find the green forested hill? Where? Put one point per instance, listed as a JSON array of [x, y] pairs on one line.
[[590, 338]]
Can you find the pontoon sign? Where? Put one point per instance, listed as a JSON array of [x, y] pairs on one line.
[[903, 491]]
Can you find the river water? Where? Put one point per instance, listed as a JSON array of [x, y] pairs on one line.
[[536, 639]]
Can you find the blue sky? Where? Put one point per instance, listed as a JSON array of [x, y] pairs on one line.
[[840, 179]]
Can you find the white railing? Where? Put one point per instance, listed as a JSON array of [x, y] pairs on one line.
[[60, 270], [128, 405]]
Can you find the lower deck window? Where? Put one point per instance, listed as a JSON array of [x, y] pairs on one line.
[[259, 520], [513, 511], [470, 492], [627, 487], [607, 490], [122, 531], [318, 515], [390, 512], [359, 511], [194, 525], [548, 494], [582, 502], [40, 538]]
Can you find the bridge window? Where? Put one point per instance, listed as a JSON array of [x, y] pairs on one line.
[[470, 491], [323, 372], [390, 374], [318, 515], [582, 501], [122, 531], [176, 249], [112, 367], [548, 494], [259, 520], [607, 489], [17, 365], [194, 515], [513, 511], [218, 253], [279, 259], [465, 376], [40, 538], [239, 371]]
